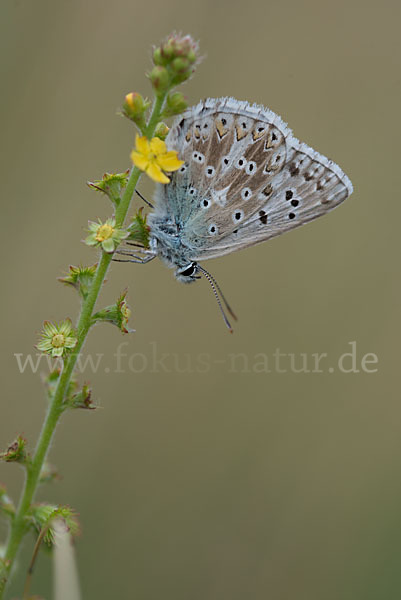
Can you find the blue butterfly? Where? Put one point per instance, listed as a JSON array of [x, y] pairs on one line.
[[245, 179]]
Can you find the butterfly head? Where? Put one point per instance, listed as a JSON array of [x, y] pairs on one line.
[[188, 272]]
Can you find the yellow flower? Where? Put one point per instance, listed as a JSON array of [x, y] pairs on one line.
[[153, 158]]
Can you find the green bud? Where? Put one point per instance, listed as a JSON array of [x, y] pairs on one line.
[[158, 57], [161, 130], [175, 104], [160, 79], [191, 56], [135, 108], [180, 65]]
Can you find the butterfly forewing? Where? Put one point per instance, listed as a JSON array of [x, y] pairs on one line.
[[245, 178]]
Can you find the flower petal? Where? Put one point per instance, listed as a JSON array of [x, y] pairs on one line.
[[57, 352], [108, 245], [155, 173], [169, 161], [49, 328], [93, 226], [65, 327], [139, 160], [157, 146], [142, 145], [44, 345], [70, 342], [91, 240]]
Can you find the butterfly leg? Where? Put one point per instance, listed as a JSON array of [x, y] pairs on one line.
[[141, 260]]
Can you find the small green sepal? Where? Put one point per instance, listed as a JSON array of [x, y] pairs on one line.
[[82, 399], [80, 278], [138, 229], [111, 184]]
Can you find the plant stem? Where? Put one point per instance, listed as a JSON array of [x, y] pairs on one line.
[[18, 526]]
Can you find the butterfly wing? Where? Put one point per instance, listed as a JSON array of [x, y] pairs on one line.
[[245, 179]]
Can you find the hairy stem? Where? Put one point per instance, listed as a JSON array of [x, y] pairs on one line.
[[18, 526]]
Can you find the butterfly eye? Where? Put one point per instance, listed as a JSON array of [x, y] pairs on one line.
[[241, 163], [210, 171], [246, 193], [238, 215], [251, 167], [213, 229]]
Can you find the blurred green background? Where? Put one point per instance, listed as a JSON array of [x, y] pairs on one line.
[[227, 483]]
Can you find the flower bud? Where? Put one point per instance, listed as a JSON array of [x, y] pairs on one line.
[[161, 130], [160, 79], [178, 55], [135, 107], [175, 104]]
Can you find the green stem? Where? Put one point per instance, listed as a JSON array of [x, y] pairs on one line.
[[18, 526]]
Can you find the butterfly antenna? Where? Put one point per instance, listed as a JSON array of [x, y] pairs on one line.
[[214, 288], [144, 199], [228, 307]]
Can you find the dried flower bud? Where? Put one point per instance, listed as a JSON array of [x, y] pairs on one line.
[[117, 314], [16, 452]]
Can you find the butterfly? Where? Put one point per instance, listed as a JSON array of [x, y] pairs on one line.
[[245, 179]]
